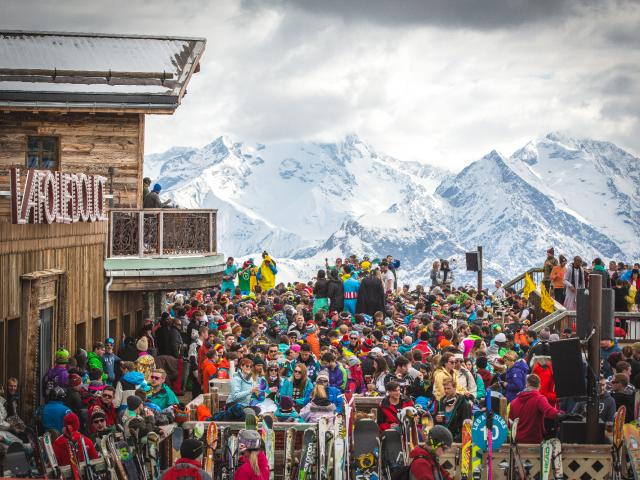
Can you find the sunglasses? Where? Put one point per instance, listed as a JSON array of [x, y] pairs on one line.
[[297, 371], [156, 377], [99, 420], [107, 395]]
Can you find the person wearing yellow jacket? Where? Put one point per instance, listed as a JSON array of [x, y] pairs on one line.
[[267, 273]]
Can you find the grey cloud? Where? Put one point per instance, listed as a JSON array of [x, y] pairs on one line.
[[474, 14]]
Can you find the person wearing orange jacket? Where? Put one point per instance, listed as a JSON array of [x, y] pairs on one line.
[[209, 368]]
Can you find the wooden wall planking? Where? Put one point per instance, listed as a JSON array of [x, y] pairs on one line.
[[88, 143]]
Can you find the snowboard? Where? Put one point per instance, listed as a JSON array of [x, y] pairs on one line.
[[127, 457], [631, 435], [250, 419], [152, 455], [392, 454], [426, 420], [339, 447], [211, 440], [465, 450], [289, 451], [409, 430], [366, 447], [177, 436], [16, 462], [618, 423], [109, 463], [308, 455]]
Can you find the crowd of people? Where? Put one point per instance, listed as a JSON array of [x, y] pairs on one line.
[[295, 349]]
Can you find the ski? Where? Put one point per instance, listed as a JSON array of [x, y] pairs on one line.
[[323, 427], [108, 460], [329, 453], [289, 450], [556, 462], [546, 452], [366, 442], [232, 455], [152, 455], [115, 458], [465, 453], [516, 468], [349, 408], [51, 456], [89, 470], [222, 471], [426, 421], [489, 431], [339, 447]]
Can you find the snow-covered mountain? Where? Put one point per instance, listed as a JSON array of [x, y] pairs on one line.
[[306, 201]]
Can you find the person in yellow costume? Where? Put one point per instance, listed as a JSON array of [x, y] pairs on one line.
[[267, 273]]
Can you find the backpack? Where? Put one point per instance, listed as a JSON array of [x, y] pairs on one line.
[[183, 471], [404, 472]]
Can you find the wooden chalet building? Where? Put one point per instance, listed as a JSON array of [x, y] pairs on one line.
[[79, 258]]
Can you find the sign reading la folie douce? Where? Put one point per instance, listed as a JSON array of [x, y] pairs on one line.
[[44, 196]]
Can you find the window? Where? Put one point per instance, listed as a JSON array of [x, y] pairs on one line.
[[126, 324], [43, 152], [113, 325], [81, 335], [96, 329]]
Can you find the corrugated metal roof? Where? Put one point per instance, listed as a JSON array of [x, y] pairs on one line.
[[85, 63]]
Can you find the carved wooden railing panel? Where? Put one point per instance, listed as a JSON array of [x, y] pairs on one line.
[[161, 232]]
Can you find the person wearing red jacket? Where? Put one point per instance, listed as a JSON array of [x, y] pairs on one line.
[[62, 446], [389, 408], [531, 407], [547, 384], [424, 460], [105, 404]]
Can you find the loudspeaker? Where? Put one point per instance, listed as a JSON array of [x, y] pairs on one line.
[[472, 261], [568, 371], [583, 322], [576, 432], [608, 307]]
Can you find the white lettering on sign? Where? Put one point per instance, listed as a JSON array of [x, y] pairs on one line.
[[57, 197]]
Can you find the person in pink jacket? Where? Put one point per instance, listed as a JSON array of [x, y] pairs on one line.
[[253, 462]]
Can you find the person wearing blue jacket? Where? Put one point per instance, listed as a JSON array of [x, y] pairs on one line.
[[351, 289], [54, 410], [298, 386], [242, 384], [337, 373], [515, 378], [334, 394]]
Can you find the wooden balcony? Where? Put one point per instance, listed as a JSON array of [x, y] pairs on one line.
[[162, 249], [161, 232]]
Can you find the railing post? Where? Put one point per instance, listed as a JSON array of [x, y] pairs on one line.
[[141, 233], [211, 232], [161, 233], [110, 233]]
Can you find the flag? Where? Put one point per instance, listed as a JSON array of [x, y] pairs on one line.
[[529, 286], [546, 302]]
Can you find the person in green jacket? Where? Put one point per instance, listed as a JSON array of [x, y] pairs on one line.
[[94, 358], [161, 395]]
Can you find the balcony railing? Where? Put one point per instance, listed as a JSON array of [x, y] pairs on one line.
[[161, 232]]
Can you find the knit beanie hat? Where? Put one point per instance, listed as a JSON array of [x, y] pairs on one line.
[[142, 344], [71, 423], [249, 440], [75, 380], [192, 448], [62, 356], [286, 404], [133, 402]]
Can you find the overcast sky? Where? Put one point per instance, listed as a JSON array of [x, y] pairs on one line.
[[441, 81]]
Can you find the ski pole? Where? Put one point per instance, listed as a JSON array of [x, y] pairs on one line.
[[489, 436]]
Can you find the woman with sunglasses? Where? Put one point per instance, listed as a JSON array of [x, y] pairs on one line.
[[242, 384], [274, 381], [298, 386]]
